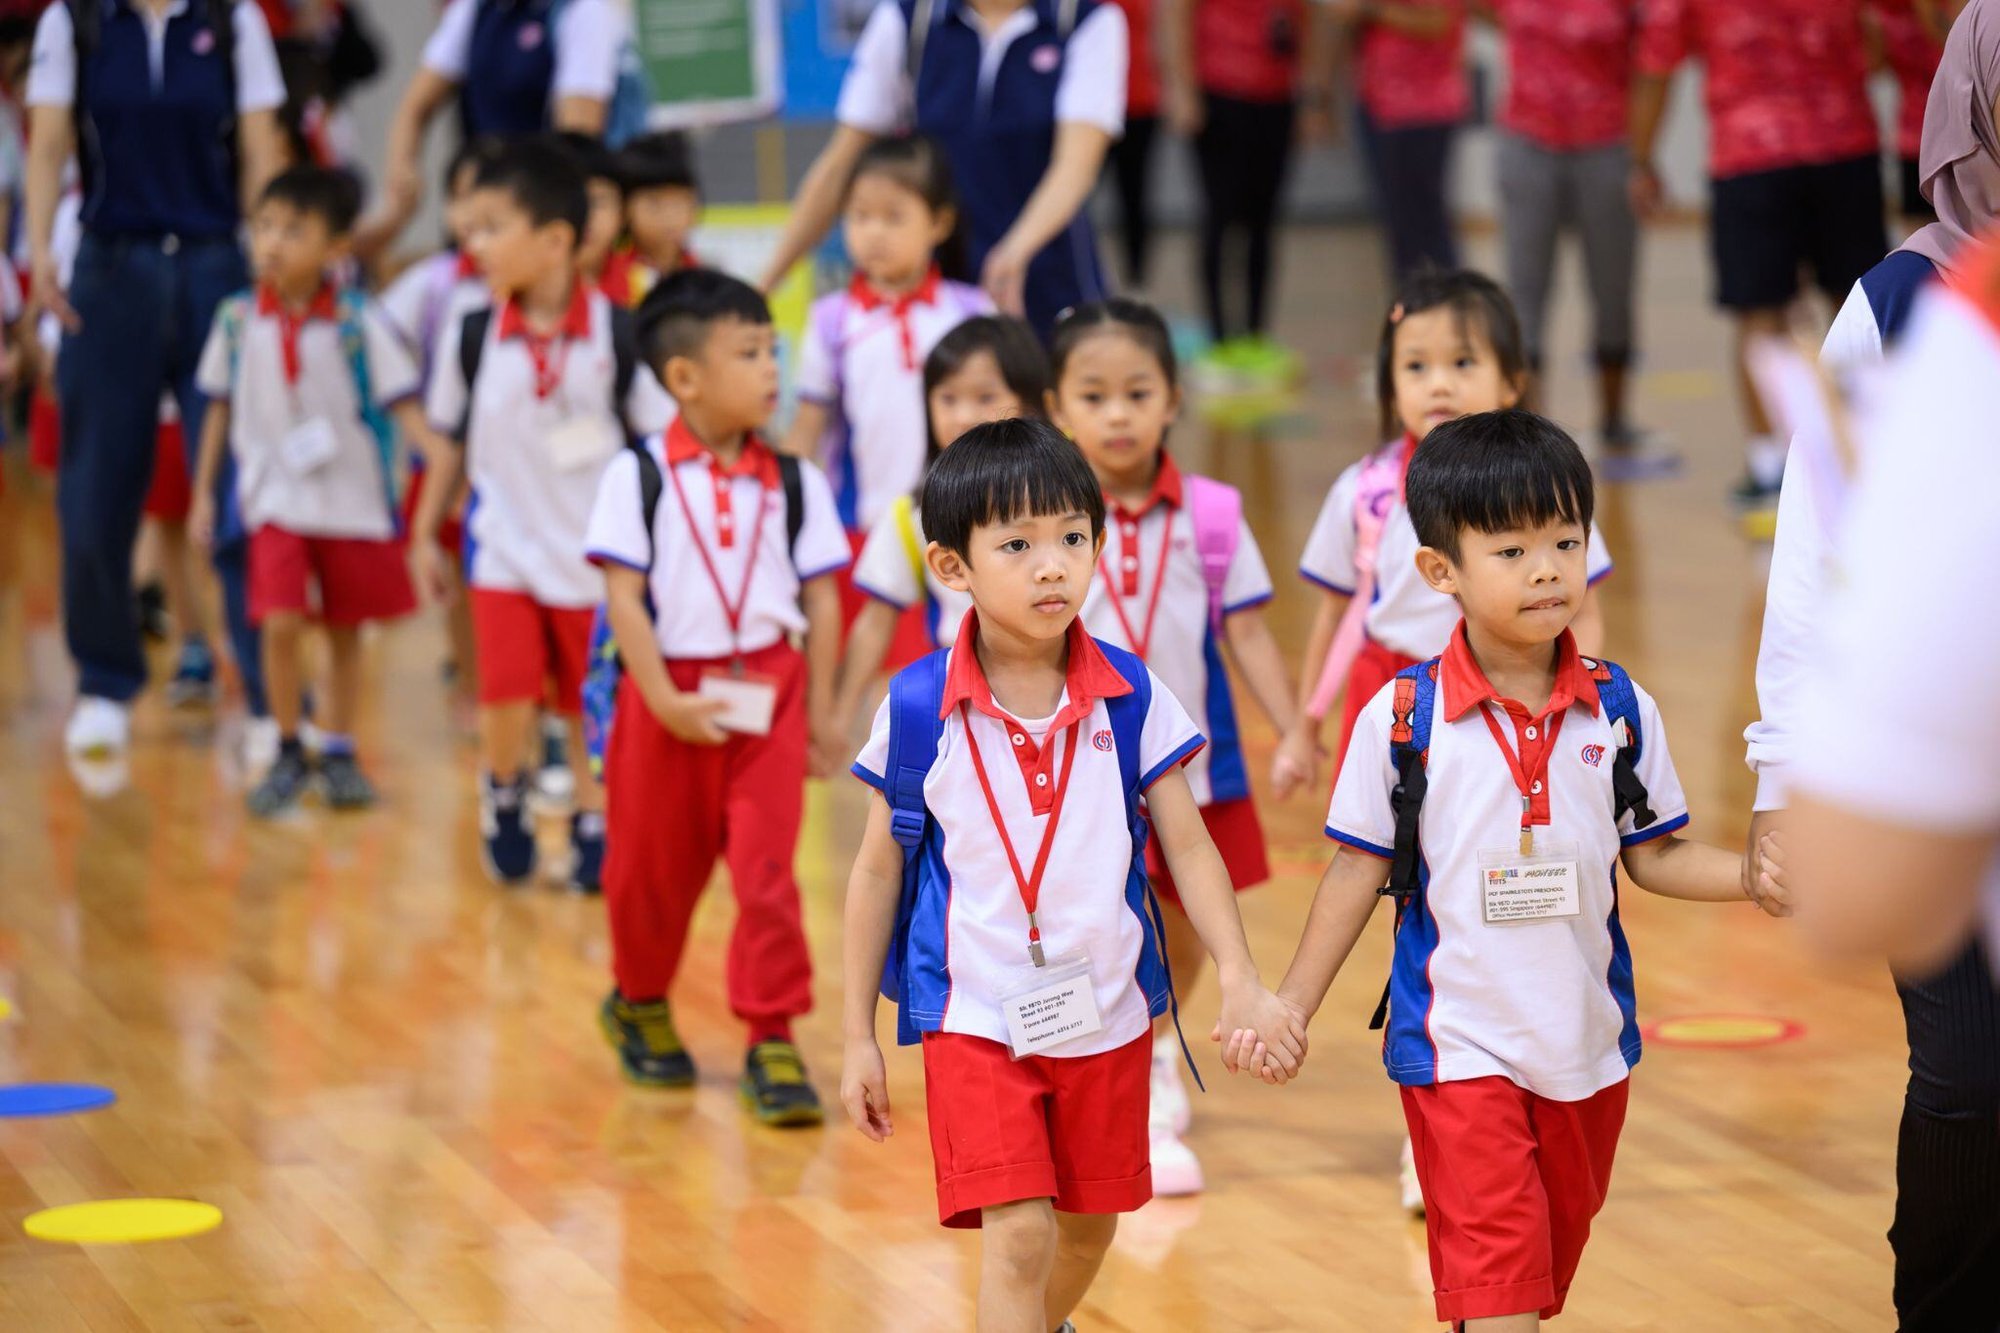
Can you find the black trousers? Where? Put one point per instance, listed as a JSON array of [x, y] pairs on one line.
[[1131, 172], [1946, 1234], [1242, 153], [1409, 169]]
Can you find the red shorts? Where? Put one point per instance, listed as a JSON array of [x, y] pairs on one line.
[[1511, 1182], [44, 430], [1003, 1130], [1374, 666], [451, 532], [525, 648], [171, 493], [358, 579], [1237, 835]]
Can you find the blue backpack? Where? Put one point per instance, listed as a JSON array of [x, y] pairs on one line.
[[1414, 703], [916, 698], [631, 105]]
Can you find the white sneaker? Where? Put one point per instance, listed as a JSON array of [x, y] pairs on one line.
[[1170, 1098], [98, 728], [260, 747], [1413, 1191], [1176, 1170]]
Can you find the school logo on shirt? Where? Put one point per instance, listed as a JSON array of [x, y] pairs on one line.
[[1045, 59], [1593, 755], [1102, 740], [204, 42], [531, 36]]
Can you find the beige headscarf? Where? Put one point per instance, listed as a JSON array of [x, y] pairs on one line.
[[1960, 157]]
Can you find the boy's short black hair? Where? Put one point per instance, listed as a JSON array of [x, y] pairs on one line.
[[1491, 472], [599, 163], [662, 160], [1002, 471], [334, 197], [473, 154], [676, 316], [544, 179]]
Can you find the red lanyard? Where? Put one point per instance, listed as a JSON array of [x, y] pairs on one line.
[[1030, 885], [289, 328], [548, 368], [732, 611], [1129, 567], [1530, 768]]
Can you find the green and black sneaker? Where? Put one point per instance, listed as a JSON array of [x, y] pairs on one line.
[[775, 1086], [649, 1049]]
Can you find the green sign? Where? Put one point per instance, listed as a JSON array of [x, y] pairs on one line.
[[708, 60]]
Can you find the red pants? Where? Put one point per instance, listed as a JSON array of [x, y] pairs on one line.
[[1374, 667], [1511, 1182], [672, 808]]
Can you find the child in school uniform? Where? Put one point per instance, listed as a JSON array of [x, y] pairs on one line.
[[989, 368], [1181, 577], [1496, 790], [538, 393], [301, 376], [662, 206], [601, 234], [713, 569], [861, 402], [1030, 746]]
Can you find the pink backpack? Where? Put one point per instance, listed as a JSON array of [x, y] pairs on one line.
[[1216, 510], [1381, 486]]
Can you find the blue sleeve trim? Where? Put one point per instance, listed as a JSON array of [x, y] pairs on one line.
[[1360, 844], [880, 596], [1600, 576], [875, 780], [819, 399], [1247, 604], [394, 401], [607, 558], [834, 568], [1184, 752], [1659, 830], [1327, 584]]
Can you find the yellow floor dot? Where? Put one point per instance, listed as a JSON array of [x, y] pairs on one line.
[[1725, 1030], [122, 1221], [6, 1010]]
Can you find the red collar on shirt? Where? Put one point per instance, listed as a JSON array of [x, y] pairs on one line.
[[1466, 686], [756, 460], [467, 266], [576, 322], [1166, 491], [1090, 676], [863, 294], [325, 303]]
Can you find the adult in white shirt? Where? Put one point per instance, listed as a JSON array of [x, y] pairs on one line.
[[1026, 96]]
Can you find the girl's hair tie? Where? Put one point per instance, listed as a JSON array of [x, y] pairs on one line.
[[1396, 313]]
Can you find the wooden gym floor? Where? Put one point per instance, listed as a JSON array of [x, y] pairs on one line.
[[388, 1076]]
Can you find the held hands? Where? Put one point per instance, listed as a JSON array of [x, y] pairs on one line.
[[1647, 194], [829, 745], [864, 1088], [1764, 876], [1296, 763], [430, 570], [1005, 277], [201, 521], [1266, 1034]]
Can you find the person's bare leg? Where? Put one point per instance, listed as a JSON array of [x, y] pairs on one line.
[[464, 652], [1506, 1323], [1082, 1241], [182, 589], [284, 675], [504, 730], [1017, 1249], [1750, 325], [343, 704], [589, 791], [1611, 401]]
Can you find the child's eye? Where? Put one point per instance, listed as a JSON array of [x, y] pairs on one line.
[[1014, 547], [1467, 362], [1076, 539], [1568, 544], [1414, 367], [1509, 553]]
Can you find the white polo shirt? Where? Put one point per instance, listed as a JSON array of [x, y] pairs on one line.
[[749, 557], [430, 295], [863, 359], [1548, 1004], [1899, 713], [1407, 615], [876, 96], [588, 37], [1128, 591], [886, 571], [532, 490], [286, 374], [969, 909]]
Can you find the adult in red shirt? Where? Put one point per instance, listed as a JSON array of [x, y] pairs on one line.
[[1410, 58], [1236, 71], [1911, 34], [1795, 176], [1563, 166]]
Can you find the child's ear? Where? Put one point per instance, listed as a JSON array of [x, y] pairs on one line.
[[943, 223], [1437, 571], [1513, 390], [948, 567], [681, 377], [338, 251], [1052, 409]]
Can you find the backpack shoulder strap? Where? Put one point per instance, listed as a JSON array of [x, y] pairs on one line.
[[1216, 511], [1620, 703], [652, 484], [624, 357], [793, 479], [232, 316], [1381, 485], [1413, 706], [1128, 719], [471, 347], [916, 693]]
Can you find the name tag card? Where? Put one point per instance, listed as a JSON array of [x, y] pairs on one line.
[[583, 442], [309, 447], [752, 701], [1544, 886], [1048, 1006]]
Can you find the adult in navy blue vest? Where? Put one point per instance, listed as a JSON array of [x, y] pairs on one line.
[[178, 125], [514, 67], [1946, 1234], [1026, 96]]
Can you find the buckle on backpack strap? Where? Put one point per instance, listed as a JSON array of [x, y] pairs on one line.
[[907, 827]]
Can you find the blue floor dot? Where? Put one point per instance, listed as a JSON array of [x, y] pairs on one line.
[[26, 1099]]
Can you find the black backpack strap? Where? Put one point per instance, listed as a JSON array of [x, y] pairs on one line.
[[471, 347], [651, 484], [1413, 704], [795, 502], [624, 360]]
